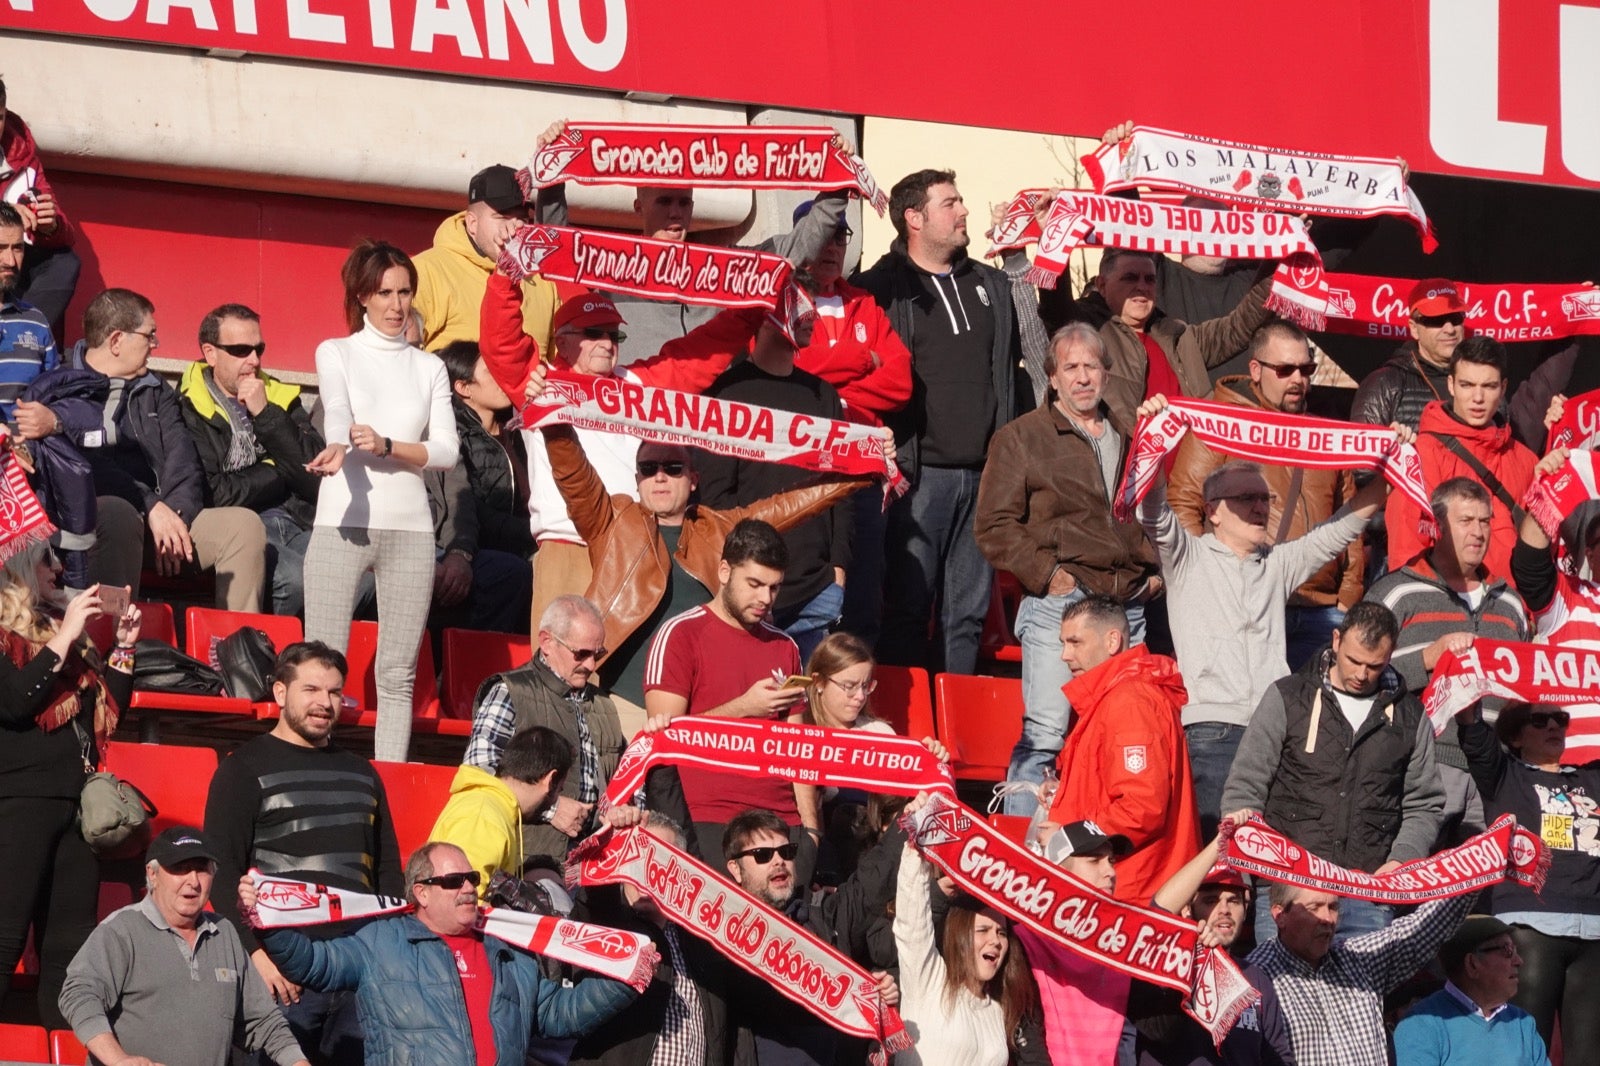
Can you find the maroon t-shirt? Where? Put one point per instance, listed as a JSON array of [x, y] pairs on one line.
[[708, 662]]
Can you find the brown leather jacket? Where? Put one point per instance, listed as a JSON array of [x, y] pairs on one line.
[[628, 555], [1310, 497]]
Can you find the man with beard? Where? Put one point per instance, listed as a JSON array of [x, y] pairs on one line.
[[1281, 367], [1470, 1021], [1339, 757], [290, 803], [26, 347]]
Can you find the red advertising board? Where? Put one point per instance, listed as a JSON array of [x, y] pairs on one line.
[[1492, 88]]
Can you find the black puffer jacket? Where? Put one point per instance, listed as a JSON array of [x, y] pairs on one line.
[[502, 517], [1397, 391]]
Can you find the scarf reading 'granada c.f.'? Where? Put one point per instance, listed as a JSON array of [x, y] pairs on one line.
[[1555, 675], [724, 427], [729, 157], [1249, 175], [751, 934], [1504, 852], [624, 956], [1267, 437], [1150, 945], [1578, 427], [806, 754], [643, 266]]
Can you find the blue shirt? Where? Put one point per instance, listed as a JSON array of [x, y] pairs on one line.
[[1442, 1031], [26, 350]]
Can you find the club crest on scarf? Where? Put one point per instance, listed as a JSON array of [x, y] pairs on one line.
[[791, 314]]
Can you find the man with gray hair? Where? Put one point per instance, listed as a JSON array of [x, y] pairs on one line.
[[557, 690], [1044, 515], [1226, 594]]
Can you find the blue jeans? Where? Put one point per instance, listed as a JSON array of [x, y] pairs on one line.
[[502, 591], [1356, 916], [816, 617], [328, 1028], [1046, 711], [933, 561], [1212, 746], [1307, 630], [863, 592]]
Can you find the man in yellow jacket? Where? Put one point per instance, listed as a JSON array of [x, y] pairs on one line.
[[453, 274], [485, 812]]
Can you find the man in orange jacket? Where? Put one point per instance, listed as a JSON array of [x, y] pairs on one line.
[[1125, 765]]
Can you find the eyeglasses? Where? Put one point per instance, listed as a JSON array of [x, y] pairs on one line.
[[149, 338], [762, 856], [850, 688], [1455, 318], [652, 467], [1284, 370], [453, 882], [1540, 719], [243, 351], [581, 654], [594, 333], [843, 234], [1246, 498], [1505, 951]]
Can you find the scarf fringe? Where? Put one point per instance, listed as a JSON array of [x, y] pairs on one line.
[[1296, 312], [1042, 277], [25, 539]]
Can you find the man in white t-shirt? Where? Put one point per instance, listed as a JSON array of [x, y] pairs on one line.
[[1339, 758]]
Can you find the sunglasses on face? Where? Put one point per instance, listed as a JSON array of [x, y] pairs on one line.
[[1247, 497], [652, 467], [453, 882], [1540, 719], [580, 654], [243, 351], [1284, 370], [1435, 321], [762, 856], [594, 333]]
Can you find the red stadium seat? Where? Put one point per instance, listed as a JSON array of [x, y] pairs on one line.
[[65, 1049], [202, 624], [1014, 827], [24, 1043], [904, 699], [998, 643], [417, 793], [155, 623], [362, 686], [174, 777], [469, 657], [980, 721]]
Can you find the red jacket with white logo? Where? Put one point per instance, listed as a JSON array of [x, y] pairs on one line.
[[861, 356], [1125, 766]]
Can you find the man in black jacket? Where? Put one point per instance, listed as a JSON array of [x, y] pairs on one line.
[[955, 315], [254, 438], [149, 483]]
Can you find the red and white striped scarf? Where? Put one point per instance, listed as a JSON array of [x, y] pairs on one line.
[[707, 157], [1551, 674], [1578, 428], [1364, 306], [22, 518]]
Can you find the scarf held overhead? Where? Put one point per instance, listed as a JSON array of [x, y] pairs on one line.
[[1268, 437], [1554, 675], [749, 933], [643, 266], [723, 427], [1505, 851], [805, 754], [1150, 945], [1253, 176], [1578, 427], [710, 157], [1363, 306], [616, 953]]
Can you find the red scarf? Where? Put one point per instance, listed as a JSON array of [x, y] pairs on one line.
[[1148, 944], [1504, 852], [723, 427], [1268, 437], [805, 754], [1551, 674], [1365, 306], [704, 157], [22, 518], [755, 937], [282, 903], [1578, 427], [76, 681], [1256, 177], [643, 266]]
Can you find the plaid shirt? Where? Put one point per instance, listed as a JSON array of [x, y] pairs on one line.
[[1335, 1010], [494, 723]]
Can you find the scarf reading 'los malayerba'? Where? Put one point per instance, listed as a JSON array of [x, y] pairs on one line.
[[1150, 945], [805, 754], [1504, 852], [752, 935], [622, 955], [723, 427], [1268, 437], [728, 157], [643, 266], [1253, 176]]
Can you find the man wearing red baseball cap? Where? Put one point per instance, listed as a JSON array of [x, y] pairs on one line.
[[1398, 390]]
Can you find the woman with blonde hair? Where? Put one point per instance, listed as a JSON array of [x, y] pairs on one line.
[[58, 705]]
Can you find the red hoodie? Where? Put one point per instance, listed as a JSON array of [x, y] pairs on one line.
[[16, 145], [1125, 766], [1507, 460], [861, 356]]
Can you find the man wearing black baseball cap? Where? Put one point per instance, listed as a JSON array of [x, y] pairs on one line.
[[176, 979], [452, 275]]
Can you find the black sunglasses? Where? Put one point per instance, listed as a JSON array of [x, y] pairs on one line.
[[594, 333], [762, 856], [1540, 719], [1455, 318], [453, 882], [652, 467], [1284, 370], [243, 351]]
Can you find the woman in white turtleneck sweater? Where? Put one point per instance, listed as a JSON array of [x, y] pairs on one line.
[[387, 418]]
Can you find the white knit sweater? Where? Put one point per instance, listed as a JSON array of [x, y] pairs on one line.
[[401, 392]]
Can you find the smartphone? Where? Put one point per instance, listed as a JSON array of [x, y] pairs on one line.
[[796, 681], [113, 600]]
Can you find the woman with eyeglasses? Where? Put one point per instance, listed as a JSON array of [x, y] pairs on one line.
[[59, 702], [387, 418], [1557, 931]]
